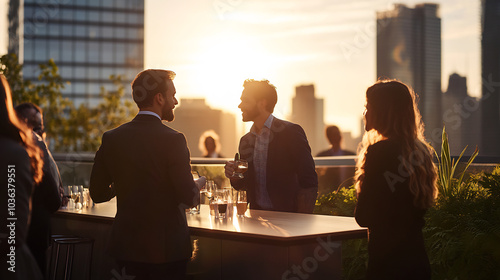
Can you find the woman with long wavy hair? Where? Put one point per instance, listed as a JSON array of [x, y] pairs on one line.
[[20, 169], [396, 183]]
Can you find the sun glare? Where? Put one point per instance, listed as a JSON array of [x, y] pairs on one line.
[[223, 62]]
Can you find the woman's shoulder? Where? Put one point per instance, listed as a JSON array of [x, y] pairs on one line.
[[12, 148], [385, 146]]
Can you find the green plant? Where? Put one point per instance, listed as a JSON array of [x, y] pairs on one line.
[[447, 183], [462, 231], [341, 202]]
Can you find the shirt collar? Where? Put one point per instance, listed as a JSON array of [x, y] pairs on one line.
[[267, 124], [149, 113]]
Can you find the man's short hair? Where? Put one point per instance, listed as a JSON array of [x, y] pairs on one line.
[[23, 111], [148, 83], [262, 90]]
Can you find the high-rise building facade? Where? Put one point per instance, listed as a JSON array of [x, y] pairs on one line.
[[89, 40], [490, 68], [193, 117], [307, 111], [461, 116], [409, 49]]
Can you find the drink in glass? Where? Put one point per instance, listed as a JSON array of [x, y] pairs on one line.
[[220, 203], [241, 203], [241, 167]]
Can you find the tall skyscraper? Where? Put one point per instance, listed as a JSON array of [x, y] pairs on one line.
[[461, 116], [193, 117], [307, 110], [89, 40], [409, 49], [490, 61]]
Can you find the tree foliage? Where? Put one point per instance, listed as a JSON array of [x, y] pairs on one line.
[[69, 129]]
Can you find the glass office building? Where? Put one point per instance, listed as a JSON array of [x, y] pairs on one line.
[[490, 72], [409, 49], [89, 40]]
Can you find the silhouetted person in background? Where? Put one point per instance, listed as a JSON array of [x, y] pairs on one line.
[[20, 169], [210, 145], [335, 138], [396, 183], [47, 194], [333, 177], [281, 174], [146, 165]]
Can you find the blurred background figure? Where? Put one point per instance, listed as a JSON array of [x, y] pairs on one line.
[[334, 177], [47, 194], [209, 144], [335, 138], [20, 168]]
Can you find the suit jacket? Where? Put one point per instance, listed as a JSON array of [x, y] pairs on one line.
[[292, 183], [385, 205], [46, 200], [147, 164]]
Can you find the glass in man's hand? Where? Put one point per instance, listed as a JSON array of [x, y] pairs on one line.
[[241, 166]]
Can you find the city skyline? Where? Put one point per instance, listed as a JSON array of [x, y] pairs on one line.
[[213, 46], [409, 49]]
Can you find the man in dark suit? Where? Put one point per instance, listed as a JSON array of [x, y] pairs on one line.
[[281, 174], [47, 194], [146, 165]]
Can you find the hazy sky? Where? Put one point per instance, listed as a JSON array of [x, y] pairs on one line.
[[214, 45]]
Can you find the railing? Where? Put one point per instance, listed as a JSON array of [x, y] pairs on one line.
[[333, 172]]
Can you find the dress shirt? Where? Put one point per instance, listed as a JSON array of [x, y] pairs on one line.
[[262, 139], [149, 113]]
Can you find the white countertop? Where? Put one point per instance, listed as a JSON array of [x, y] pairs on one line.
[[270, 225]]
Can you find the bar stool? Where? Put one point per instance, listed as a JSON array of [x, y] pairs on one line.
[[67, 250]]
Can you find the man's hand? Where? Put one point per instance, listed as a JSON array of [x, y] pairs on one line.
[[200, 182], [229, 169]]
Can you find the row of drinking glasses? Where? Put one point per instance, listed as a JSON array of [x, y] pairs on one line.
[[76, 198], [221, 201]]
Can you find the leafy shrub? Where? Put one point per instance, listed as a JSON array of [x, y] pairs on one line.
[[463, 230]]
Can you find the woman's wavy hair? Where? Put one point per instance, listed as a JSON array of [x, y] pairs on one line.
[[12, 128], [394, 114]]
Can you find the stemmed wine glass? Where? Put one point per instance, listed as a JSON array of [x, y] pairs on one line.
[[208, 190]]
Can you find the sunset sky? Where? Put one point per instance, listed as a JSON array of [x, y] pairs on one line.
[[214, 45]]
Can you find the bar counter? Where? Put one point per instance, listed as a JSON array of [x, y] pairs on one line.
[[261, 245]]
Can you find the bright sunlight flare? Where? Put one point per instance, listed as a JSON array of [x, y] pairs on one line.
[[224, 61]]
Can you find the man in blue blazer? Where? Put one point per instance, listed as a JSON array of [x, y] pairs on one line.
[[281, 175], [146, 165]]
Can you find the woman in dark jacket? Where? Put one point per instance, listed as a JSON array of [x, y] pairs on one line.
[[396, 183], [20, 168]]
